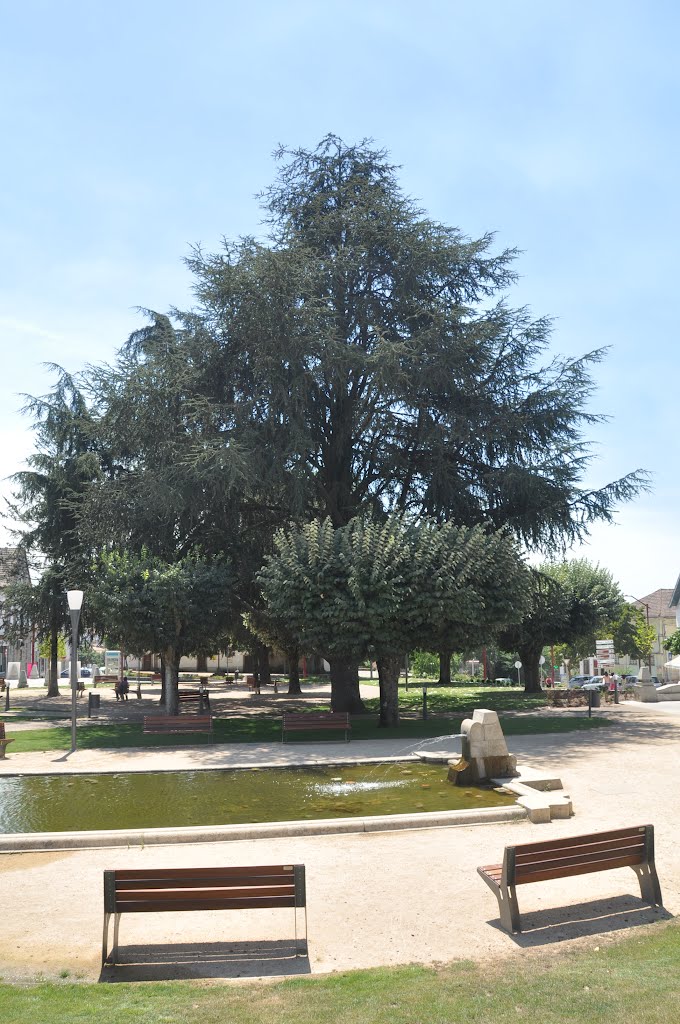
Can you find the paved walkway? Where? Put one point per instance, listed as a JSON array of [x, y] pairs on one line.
[[374, 899]]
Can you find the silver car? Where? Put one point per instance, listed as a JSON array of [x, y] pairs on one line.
[[577, 681]]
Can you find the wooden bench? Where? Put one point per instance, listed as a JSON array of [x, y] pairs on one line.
[[4, 741], [576, 855], [167, 725], [200, 698], [104, 678], [236, 888], [315, 721]]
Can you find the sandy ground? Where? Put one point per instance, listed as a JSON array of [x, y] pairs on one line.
[[373, 899]]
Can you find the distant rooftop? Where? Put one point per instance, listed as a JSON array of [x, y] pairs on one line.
[[662, 603]]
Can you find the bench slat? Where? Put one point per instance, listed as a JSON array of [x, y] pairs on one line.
[[194, 891], [204, 903], [176, 874], [594, 837], [540, 875]]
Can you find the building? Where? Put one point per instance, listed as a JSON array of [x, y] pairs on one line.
[[13, 568], [661, 609]]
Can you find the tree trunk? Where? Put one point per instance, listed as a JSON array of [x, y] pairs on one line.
[[53, 682], [171, 676], [201, 662], [529, 656], [388, 673], [445, 667], [263, 670], [345, 694], [294, 688], [162, 700]]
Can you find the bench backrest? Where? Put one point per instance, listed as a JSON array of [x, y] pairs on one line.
[[2, 730], [187, 722], [578, 855], [337, 718], [157, 889]]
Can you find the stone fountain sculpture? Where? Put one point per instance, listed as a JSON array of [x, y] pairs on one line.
[[484, 752]]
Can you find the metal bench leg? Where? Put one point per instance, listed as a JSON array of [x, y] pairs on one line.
[[114, 951], [509, 909], [107, 918], [300, 901], [650, 890], [301, 948]]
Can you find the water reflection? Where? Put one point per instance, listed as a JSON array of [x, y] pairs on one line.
[[223, 797]]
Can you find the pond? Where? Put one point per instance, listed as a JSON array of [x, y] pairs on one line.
[[66, 803]]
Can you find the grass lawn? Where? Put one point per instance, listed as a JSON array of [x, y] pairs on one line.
[[631, 982], [266, 729]]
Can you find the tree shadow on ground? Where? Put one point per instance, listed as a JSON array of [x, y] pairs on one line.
[[187, 961]]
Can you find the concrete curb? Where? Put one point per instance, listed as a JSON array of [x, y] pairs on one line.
[[24, 842]]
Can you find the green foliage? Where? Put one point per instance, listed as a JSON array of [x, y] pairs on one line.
[[383, 586], [645, 638], [44, 647], [570, 603], [423, 664], [147, 604], [364, 358], [672, 644]]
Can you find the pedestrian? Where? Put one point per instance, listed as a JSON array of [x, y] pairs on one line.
[[124, 688]]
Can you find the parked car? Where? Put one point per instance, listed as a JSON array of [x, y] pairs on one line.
[[503, 681], [577, 681], [596, 681], [85, 673]]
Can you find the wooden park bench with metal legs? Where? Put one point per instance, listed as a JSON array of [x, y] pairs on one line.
[[576, 855], [315, 721], [198, 700], [167, 725], [154, 890]]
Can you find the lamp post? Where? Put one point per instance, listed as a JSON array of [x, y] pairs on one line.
[[75, 603], [646, 608]]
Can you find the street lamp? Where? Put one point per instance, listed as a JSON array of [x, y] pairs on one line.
[[646, 608], [75, 603]]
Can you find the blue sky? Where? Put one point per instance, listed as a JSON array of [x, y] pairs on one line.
[[132, 131]]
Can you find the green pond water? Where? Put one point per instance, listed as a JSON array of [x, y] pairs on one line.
[[64, 803]]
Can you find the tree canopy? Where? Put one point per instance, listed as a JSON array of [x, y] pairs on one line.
[[145, 603], [371, 353], [380, 587], [569, 603]]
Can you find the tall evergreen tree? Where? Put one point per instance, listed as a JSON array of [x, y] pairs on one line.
[[47, 505], [367, 356]]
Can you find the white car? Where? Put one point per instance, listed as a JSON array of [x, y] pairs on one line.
[[597, 681], [576, 682]]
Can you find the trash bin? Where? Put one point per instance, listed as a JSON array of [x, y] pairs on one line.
[[93, 702], [594, 694]]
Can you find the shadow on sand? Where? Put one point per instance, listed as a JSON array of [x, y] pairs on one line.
[[597, 917], [184, 961]]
